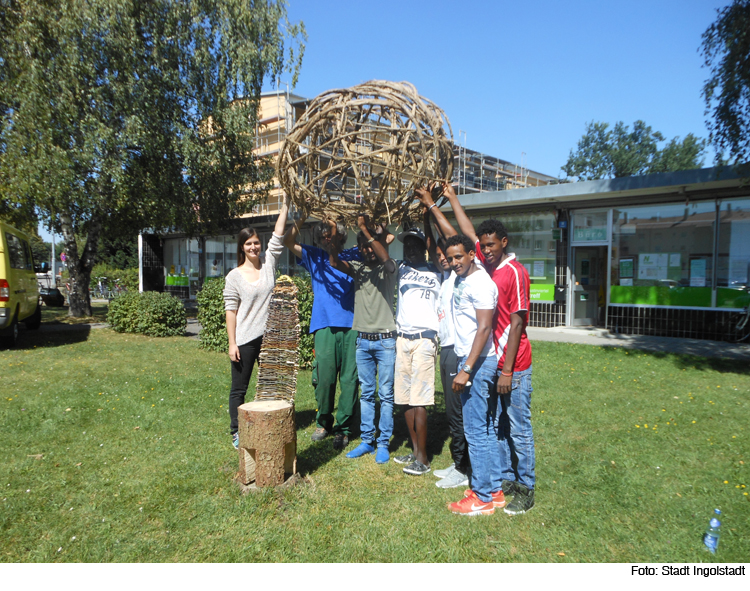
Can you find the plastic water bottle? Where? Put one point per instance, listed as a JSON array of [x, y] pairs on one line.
[[711, 537]]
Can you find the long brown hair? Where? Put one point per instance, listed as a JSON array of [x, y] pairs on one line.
[[244, 235]]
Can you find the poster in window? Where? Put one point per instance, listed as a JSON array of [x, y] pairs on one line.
[[626, 268], [698, 273], [653, 266], [539, 270]]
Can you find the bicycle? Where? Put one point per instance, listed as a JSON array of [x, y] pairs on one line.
[[742, 328], [100, 290]]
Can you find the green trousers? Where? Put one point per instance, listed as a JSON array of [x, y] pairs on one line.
[[335, 357]]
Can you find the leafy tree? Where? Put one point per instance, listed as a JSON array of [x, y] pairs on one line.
[[124, 114], [606, 153], [40, 249], [119, 253], [726, 49]]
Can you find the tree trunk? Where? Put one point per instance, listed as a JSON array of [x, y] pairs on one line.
[[268, 442], [80, 264]]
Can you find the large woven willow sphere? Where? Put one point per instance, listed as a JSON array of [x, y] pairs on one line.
[[365, 149]]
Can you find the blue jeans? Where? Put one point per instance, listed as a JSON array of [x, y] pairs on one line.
[[376, 358], [513, 424], [478, 403]]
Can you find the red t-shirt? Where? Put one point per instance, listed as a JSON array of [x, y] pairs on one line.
[[512, 280]]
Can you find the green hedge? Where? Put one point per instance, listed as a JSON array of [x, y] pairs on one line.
[[212, 318], [304, 304], [150, 313]]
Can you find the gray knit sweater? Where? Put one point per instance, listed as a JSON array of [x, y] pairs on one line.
[[251, 299]]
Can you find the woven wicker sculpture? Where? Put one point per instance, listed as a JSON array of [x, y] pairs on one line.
[[279, 354], [363, 150]]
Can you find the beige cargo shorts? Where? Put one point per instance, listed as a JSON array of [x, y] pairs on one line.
[[414, 374]]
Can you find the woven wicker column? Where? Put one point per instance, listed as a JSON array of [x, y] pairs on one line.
[[267, 426]]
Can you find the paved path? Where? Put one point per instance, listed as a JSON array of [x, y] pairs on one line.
[[603, 338]]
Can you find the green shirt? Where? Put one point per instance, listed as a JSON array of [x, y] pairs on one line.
[[373, 297]]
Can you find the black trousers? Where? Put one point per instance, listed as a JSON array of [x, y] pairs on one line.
[[459, 451], [241, 372]]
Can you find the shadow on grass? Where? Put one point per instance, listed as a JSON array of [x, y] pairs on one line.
[[304, 418], [320, 453], [438, 431], [39, 339], [685, 361]]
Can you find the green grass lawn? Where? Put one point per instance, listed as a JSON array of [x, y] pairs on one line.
[[116, 449]]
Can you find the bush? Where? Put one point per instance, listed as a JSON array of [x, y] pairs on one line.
[[212, 318], [123, 311], [304, 304], [150, 313]]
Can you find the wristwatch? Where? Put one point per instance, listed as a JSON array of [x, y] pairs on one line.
[[466, 368]]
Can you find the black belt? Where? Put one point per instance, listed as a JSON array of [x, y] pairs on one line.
[[376, 336], [427, 334]]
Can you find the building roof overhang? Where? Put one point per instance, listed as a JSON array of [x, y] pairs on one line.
[[682, 185]]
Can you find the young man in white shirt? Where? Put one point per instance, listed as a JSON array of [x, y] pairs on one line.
[[474, 304], [416, 345]]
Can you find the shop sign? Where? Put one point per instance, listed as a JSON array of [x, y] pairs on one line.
[[590, 234], [178, 280], [541, 292]]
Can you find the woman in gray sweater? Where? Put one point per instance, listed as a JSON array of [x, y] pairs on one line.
[[246, 297]]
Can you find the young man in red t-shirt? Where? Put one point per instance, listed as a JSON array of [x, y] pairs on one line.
[[513, 419]]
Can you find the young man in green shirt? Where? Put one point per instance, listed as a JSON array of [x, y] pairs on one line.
[[374, 284]]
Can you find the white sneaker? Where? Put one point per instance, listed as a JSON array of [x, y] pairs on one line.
[[445, 471], [453, 480]]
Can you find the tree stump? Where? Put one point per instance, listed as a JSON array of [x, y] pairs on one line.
[[268, 442]]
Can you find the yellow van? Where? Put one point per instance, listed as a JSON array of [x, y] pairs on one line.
[[19, 291]]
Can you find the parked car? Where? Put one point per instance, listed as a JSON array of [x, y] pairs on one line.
[[19, 291], [52, 297]]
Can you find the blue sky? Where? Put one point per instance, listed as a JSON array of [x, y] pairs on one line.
[[519, 76]]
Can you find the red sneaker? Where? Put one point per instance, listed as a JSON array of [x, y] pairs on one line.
[[472, 505], [498, 498]]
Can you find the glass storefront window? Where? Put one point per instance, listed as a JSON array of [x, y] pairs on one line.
[[662, 255], [230, 253], [733, 261], [530, 237], [193, 266], [175, 262], [215, 257], [590, 226]]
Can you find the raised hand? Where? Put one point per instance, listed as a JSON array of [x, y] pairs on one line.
[[424, 196]]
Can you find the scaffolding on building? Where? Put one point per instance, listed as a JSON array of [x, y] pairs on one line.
[[475, 172]]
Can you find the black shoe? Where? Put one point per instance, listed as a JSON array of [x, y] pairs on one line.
[[523, 500], [417, 468], [340, 441], [319, 435], [509, 487]]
